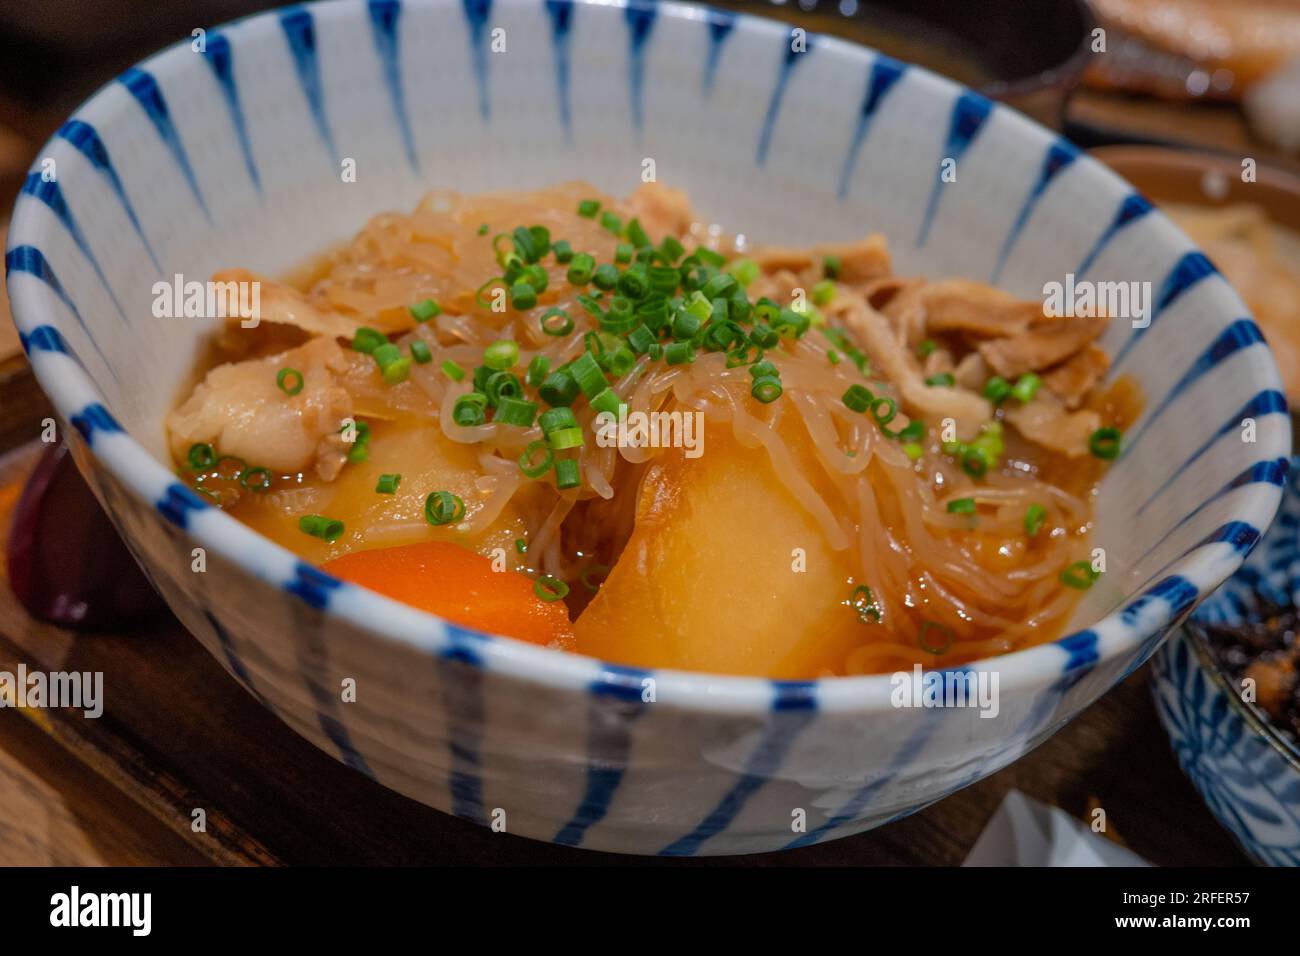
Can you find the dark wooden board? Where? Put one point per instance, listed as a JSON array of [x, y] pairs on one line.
[[178, 733]]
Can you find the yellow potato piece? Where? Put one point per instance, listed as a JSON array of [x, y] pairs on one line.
[[707, 581], [427, 462]]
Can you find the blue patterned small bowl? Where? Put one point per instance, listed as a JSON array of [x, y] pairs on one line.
[[1246, 770], [226, 150]]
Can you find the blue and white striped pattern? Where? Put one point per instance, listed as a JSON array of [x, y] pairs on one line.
[[1247, 772], [231, 156]]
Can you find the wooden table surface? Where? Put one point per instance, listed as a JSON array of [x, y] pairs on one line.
[[181, 734]]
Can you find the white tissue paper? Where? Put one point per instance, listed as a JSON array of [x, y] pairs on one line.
[[1025, 832]]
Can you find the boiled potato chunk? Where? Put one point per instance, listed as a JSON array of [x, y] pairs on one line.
[[707, 581], [427, 462]]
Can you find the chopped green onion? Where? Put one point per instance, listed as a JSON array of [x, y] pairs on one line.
[[913, 451], [516, 411], [943, 379], [201, 456], [823, 292], [864, 602], [679, 353], [318, 526], [426, 310], [420, 352], [672, 249], [914, 431], [442, 507], [483, 229], [387, 484], [453, 371], [605, 277], [831, 266], [935, 647], [555, 419], [522, 295], [502, 385], [926, 348], [745, 270], [531, 465], [961, 506], [556, 322], [608, 402], [563, 251], [623, 253], [637, 234], [858, 398], [469, 410], [256, 479], [883, 418], [611, 222], [565, 438], [537, 370], [1104, 443], [1079, 576], [766, 389], [581, 269], [567, 474], [393, 365], [366, 340], [550, 589], [997, 389], [501, 355], [1034, 516], [521, 545], [586, 372], [588, 208], [559, 388], [1026, 386], [290, 381]]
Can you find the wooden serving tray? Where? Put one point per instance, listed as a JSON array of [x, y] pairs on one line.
[[178, 733]]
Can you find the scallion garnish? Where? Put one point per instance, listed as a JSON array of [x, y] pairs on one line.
[[567, 474], [1026, 387], [926, 643], [1034, 517], [420, 352], [1105, 442], [201, 456], [516, 411], [501, 355], [941, 380], [256, 479], [393, 365], [366, 340], [961, 506], [550, 589], [289, 380], [588, 208], [1079, 576], [387, 484], [453, 371], [531, 464], [442, 507], [318, 526], [426, 310]]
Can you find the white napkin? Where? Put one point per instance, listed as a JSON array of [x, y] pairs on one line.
[[1025, 832]]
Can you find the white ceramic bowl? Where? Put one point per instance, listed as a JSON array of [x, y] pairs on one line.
[[202, 160]]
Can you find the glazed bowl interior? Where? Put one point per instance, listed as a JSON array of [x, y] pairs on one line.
[[236, 155]]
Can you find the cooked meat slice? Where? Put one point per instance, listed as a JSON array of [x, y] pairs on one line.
[[959, 305], [1047, 422], [935, 403], [1045, 344], [240, 410], [661, 210], [1074, 378]]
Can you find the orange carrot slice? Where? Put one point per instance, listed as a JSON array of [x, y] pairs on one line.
[[460, 585]]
